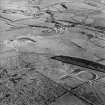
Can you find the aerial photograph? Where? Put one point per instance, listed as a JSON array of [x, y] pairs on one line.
[[52, 52]]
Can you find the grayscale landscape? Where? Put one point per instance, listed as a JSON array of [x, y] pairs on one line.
[[52, 52]]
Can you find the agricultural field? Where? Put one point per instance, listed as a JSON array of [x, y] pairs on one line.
[[52, 52]]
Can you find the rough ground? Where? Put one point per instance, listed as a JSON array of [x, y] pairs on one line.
[[32, 32]]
